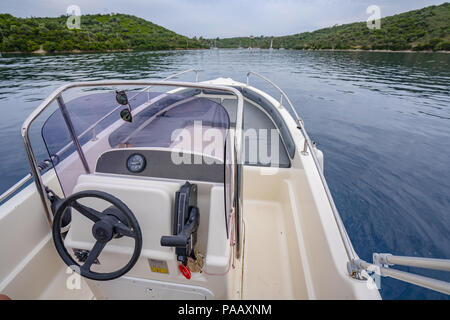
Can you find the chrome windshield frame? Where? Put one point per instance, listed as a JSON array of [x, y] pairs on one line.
[[55, 96]]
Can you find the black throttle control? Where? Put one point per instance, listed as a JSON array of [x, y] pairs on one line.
[[186, 220]]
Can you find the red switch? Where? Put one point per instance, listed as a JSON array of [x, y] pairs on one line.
[[185, 271]]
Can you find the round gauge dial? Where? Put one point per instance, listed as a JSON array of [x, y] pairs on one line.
[[136, 163]]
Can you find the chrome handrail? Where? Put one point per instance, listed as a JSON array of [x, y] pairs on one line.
[[282, 93], [24, 180], [183, 72], [94, 125], [42, 166], [171, 77], [15, 187], [28, 177], [352, 255], [381, 262], [46, 103]]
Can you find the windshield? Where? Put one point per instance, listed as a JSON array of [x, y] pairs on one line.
[[83, 129]]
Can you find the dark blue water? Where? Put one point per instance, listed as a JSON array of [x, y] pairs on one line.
[[381, 119]]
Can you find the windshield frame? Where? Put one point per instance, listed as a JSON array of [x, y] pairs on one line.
[[56, 96]]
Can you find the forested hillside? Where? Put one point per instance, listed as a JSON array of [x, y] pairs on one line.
[[424, 29], [96, 33]]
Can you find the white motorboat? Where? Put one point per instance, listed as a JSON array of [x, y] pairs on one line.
[[179, 190]]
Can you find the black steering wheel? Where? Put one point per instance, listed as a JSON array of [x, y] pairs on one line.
[[114, 222]]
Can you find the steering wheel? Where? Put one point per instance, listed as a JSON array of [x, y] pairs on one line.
[[114, 222]]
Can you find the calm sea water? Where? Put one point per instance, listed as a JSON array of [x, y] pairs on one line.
[[381, 119]]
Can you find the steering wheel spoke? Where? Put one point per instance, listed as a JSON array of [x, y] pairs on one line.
[[123, 230], [89, 213], [93, 255]]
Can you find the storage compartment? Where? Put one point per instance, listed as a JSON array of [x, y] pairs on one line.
[[272, 257], [140, 289]]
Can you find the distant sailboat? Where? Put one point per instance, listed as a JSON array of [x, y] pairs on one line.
[[271, 45], [250, 46]]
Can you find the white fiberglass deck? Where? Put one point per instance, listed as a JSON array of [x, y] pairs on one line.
[[267, 274], [291, 249]]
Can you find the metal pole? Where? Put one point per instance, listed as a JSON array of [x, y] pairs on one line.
[[276, 87], [429, 283], [438, 264], [427, 263], [351, 253], [15, 187], [35, 169], [74, 136]]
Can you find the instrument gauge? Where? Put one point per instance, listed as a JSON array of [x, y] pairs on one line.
[[136, 163]]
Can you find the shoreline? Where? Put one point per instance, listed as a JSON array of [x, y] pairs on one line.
[[42, 52], [347, 50], [382, 50]]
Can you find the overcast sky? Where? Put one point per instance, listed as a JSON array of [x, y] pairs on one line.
[[224, 18]]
